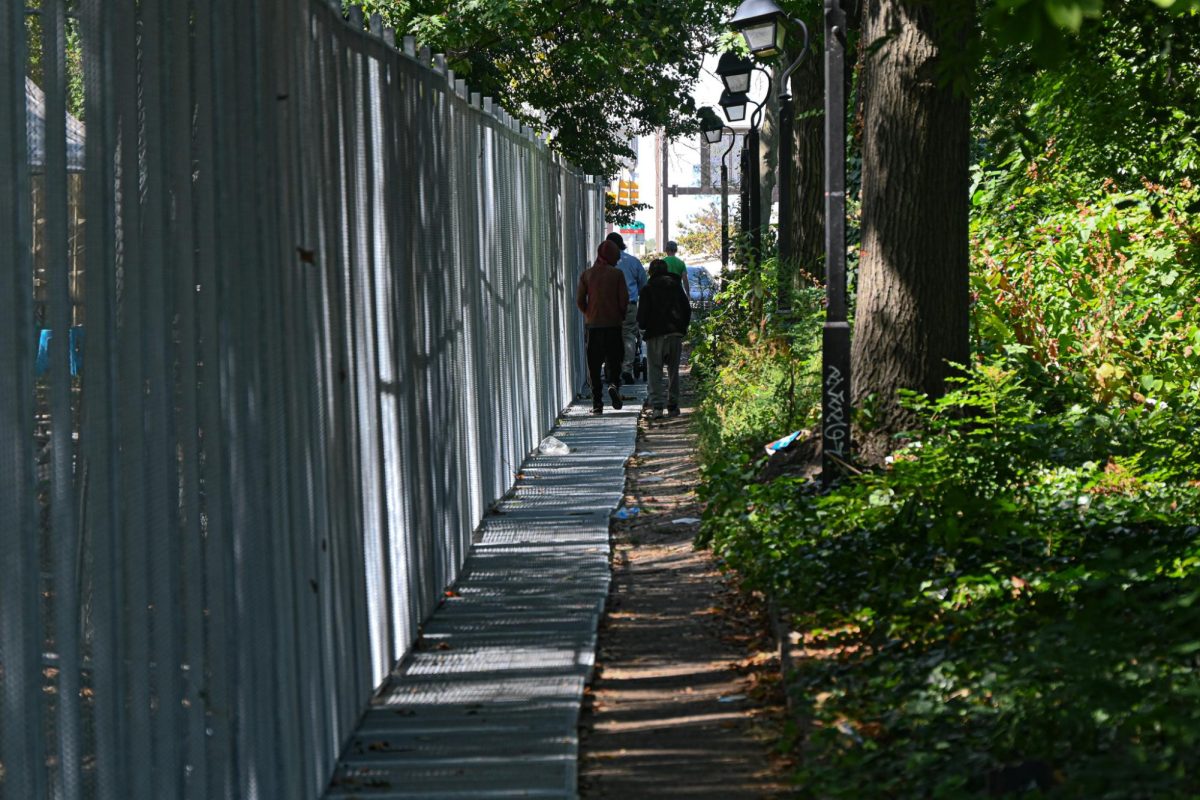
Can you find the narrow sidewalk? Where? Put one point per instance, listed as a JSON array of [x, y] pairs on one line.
[[487, 705], [686, 700]]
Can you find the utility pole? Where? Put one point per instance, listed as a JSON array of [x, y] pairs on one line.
[[664, 191]]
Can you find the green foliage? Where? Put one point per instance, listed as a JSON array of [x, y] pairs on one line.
[[621, 215], [760, 377], [701, 234], [1044, 26], [589, 72], [1101, 293], [1018, 588], [742, 295], [1123, 103], [1012, 601], [1014, 598]]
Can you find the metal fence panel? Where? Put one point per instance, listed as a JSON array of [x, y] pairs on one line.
[[22, 710], [283, 308]]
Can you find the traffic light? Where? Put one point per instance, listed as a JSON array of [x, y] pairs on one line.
[[623, 193], [633, 193]]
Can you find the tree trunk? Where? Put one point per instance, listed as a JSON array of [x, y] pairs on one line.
[[911, 319], [808, 149], [768, 151]]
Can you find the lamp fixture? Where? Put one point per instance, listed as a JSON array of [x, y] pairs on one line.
[[763, 26], [734, 71], [734, 105], [711, 126]]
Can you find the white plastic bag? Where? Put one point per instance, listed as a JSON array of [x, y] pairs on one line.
[[552, 446]]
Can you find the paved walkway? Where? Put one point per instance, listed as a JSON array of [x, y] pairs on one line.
[[681, 704], [487, 705]]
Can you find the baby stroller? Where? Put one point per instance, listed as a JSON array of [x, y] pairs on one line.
[[639, 359], [640, 370]]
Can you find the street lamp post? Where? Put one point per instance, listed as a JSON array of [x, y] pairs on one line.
[[744, 186], [713, 130], [835, 345], [725, 200], [734, 105], [735, 72], [764, 27], [754, 196], [786, 178]]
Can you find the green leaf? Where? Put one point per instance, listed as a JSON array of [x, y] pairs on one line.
[[1065, 14]]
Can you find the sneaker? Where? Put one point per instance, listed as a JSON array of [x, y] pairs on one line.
[[614, 394], [658, 413], [673, 411], [597, 409]]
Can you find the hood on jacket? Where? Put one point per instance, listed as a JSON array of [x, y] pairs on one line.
[[607, 253]]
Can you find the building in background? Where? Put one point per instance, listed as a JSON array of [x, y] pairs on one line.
[[689, 168]]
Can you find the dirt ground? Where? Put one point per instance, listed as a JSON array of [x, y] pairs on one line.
[[686, 700]]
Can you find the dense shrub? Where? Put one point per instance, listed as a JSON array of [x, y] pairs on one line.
[[1014, 601], [1013, 590], [757, 372], [1103, 293]]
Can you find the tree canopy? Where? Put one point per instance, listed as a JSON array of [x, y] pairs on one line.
[[1122, 101], [588, 73], [1048, 26]]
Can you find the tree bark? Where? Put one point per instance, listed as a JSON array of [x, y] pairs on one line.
[[808, 148], [911, 320], [768, 150]]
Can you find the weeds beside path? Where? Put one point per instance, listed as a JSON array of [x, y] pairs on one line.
[[685, 702]]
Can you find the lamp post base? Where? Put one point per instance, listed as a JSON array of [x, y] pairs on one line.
[[835, 400]]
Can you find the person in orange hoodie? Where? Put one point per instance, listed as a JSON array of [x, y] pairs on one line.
[[603, 299]]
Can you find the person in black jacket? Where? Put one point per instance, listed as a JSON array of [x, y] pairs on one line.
[[663, 315]]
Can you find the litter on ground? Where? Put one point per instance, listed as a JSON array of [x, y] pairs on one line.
[[553, 446]]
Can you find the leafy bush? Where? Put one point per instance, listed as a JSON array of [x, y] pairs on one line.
[[1013, 601], [1014, 596], [758, 381], [1104, 293]]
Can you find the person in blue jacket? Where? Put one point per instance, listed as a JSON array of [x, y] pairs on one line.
[[635, 279]]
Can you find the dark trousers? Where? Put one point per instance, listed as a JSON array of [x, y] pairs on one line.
[[604, 347]]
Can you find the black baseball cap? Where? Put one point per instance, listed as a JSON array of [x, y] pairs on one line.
[[616, 239]]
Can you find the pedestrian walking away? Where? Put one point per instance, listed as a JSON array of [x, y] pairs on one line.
[[635, 279], [663, 315], [676, 265], [603, 299]]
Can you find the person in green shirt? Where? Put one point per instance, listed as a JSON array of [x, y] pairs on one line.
[[675, 265]]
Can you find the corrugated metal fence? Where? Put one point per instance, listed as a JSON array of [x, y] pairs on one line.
[[267, 357]]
